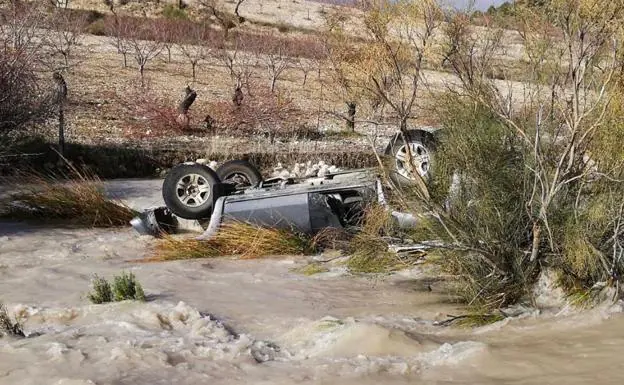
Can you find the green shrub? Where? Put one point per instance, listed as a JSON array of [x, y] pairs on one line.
[[172, 12], [97, 28], [102, 292], [124, 287], [483, 217], [487, 219]]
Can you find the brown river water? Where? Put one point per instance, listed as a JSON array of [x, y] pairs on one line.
[[203, 318]]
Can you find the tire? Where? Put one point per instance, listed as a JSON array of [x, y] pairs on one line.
[[239, 173], [422, 148], [190, 190]]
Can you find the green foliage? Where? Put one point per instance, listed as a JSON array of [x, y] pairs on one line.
[[97, 28], [485, 211], [590, 240], [124, 287], [170, 11], [102, 292], [487, 217]]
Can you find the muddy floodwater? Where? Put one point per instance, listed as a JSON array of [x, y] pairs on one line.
[[206, 320]]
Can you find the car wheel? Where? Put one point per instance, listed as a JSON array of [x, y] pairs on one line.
[[420, 147], [239, 173], [190, 190]]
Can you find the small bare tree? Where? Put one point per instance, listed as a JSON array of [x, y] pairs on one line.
[[387, 69], [237, 10], [21, 27], [169, 32], [311, 55], [197, 48], [305, 66], [239, 63], [225, 20], [24, 98], [65, 34], [143, 51], [119, 28], [271, 52]]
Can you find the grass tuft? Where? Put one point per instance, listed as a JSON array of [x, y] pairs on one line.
[[170, 248], [472, 320], [235, 238], [369, 250], [124, 287], [7, 326], [332, 238], [249, 241], [102, 292], [80, 201], [311, 269]]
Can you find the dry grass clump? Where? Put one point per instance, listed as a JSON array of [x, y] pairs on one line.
[[249, 241], [171, 248], [369, 251], [7, 326], [78, 202], [332, 238], [235, 238]]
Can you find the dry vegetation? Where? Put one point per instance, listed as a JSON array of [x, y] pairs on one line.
[[235, 238], [366, 245], [368, 249], [524, 183], [80, 201], [9, 327]]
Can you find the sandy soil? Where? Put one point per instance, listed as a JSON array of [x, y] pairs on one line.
[[296, 13]]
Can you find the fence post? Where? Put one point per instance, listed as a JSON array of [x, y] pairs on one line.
[[61, 95]]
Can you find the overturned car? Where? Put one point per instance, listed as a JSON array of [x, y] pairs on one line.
[[236, 191]]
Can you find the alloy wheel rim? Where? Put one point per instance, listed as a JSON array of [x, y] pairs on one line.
[[193, 190], [420, 160]]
